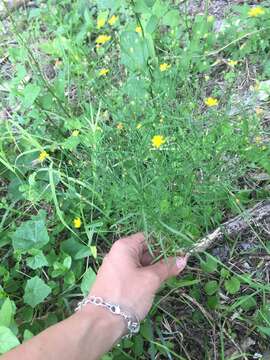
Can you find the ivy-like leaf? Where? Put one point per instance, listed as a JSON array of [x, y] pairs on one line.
[[31, 234], [88, 280], [35, 291], [7, 339]]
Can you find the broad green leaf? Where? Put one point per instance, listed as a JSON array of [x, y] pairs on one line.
[[134, 51], [152, 24], [37, 261], [211, 287], [61, 266], [57, 46], [94, 251], [135, 87], [160, 8], [172, 18], [110, 4], [232, 285], [7, 339], [106, 357], [264, 330], [88, 280], [71, 142], [67, 262], [213, 302], [151, 47], [75, 249], [69, 278], [224, 273], [247, 302], [210, 265], [30, 93], [141, 6], [27, 335], [35, 291], [6, 313], [46, 101], [149, 3], [138, 345], [30, 234]]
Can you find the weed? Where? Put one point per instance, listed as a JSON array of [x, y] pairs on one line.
[[120, 116]]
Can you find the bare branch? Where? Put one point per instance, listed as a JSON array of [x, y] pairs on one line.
[[250, 218]]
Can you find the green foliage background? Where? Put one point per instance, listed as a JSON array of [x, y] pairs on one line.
[[110, 176]]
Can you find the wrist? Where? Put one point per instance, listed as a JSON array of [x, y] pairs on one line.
[[103, 322]]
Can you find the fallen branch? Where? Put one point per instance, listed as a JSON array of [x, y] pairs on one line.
[[234, 227]]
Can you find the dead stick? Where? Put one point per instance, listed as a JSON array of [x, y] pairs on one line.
[[231, 228]]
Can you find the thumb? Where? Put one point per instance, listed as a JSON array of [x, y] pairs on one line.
[[169, 267]]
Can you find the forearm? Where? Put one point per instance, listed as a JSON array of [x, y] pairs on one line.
[[86, 335]]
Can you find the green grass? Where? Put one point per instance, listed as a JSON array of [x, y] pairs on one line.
[[100, 165]]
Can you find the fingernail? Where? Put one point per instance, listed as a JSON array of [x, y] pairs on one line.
[[181, 262]]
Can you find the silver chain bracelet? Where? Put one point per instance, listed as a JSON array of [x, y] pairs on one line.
[[133, 324]]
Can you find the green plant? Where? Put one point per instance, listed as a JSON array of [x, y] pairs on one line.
[[130, 130]]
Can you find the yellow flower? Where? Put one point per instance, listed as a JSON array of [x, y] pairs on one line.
[[210, 101], [210, 18], [139, 126], [77, 223], [103, 72], [102, 39], [158, 140], [256, 11], [164, 66], [257, 86], [232, 63], [120, 126], [75, 133], [138, 29], [258, 139], [112, 20], [43, 155], [258, 111], [100, 23], [57, 62]]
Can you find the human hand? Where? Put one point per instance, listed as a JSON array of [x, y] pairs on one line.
[[127, 276]]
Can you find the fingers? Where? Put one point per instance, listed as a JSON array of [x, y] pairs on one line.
[[146, 258], [169, 267], [136, 243]]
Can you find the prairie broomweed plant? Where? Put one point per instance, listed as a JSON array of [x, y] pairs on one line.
[[102, 39], [112, 20], [211, 102], [158, 141], [43, 156], [103, 72], [138, 29], [164, 67], [256, 11], [139, 126], [77, 223]]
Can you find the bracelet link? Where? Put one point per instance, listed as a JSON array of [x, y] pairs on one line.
[[133, 324]]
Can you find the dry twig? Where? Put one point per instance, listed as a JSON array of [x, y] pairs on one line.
[[250, 218]]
